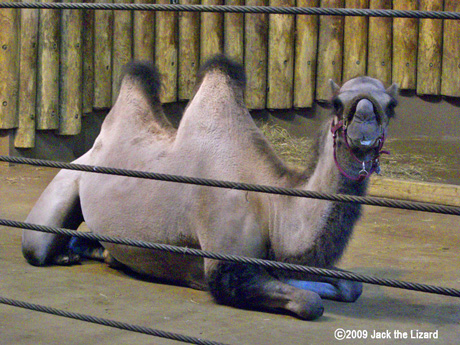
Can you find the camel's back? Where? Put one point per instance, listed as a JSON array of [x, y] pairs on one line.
[[216, 139]]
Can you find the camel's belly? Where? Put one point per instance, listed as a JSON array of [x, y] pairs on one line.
[[147, 211], [176, 268]]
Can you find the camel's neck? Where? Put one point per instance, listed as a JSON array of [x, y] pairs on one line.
[[326, 176], [321, 229]]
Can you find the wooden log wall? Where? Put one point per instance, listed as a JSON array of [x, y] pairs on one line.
[[58, 66]]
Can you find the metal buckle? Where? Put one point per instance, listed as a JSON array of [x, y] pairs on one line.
[[363, 171]]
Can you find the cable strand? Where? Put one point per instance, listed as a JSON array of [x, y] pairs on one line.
[[269, 264], [107, 322], [236, 9], [372, 201]]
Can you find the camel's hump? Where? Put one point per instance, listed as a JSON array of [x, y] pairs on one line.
[[225, 65], [146, 74]]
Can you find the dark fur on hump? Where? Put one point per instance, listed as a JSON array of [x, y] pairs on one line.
[[147, 76], [224, 64]]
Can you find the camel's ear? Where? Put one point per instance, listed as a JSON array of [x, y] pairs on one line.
[[393, 90], [334, 87]]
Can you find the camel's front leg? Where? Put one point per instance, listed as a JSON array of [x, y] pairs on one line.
[[330, 288], [246, 286], [58, 206]]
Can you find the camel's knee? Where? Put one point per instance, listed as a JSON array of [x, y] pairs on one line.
[[40, 258], [33, 257], [34, 250], [40, 249], [234, 284]]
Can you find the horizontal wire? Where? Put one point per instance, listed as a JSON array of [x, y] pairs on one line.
[[269, 264], [223, 184], [107, 322], [372, 201], [236, 9]]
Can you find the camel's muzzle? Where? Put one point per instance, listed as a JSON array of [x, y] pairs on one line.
[[361, 128], [362, 120]]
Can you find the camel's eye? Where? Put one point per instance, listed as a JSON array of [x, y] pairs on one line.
[[338, 106], [390, 111]]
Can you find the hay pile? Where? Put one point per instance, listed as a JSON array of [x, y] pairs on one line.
[[400, 164], [293, 150]]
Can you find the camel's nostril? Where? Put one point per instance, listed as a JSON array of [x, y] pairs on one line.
[[364, 110]]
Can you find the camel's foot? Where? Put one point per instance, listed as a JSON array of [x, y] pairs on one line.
[[87, 249], [67, 259], [337, 290], [246, 286], [307, 305]]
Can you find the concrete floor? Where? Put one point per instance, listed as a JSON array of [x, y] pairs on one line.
[[397, 244]]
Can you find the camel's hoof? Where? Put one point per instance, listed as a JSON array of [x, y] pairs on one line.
[[349, 291], [307, 305]]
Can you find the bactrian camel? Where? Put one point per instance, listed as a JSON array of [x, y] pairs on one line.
[[218, 139]]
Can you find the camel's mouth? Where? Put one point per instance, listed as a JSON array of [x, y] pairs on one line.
[[364, 145], [367, 143]]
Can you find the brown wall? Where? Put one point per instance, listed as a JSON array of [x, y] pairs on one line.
[[415, 118], [3, 145], [70, 62]]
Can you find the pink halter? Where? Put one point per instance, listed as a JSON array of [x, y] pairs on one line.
[[375, 163]]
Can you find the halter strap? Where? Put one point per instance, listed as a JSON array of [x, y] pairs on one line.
[[375, 163]]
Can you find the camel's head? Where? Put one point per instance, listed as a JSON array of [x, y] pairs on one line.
[[364, 107]]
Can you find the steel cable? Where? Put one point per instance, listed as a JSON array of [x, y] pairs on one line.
[[223, 184], [373, 201], [235, 9], [107, 322], [268, 264]]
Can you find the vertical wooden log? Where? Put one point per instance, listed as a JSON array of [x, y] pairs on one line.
[[405, 33], [189, 50], [71, 73], [123, 47], [88, 61], [103, 36], [450, 85], [9, 82], [255, 57], [305, 56], [211, 32], [355, 42], [166, 49], [330, 51], [280, 58], [379, 49], [144, 33], [234, 33], [429, 51], [25, 134], [48, 70]]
